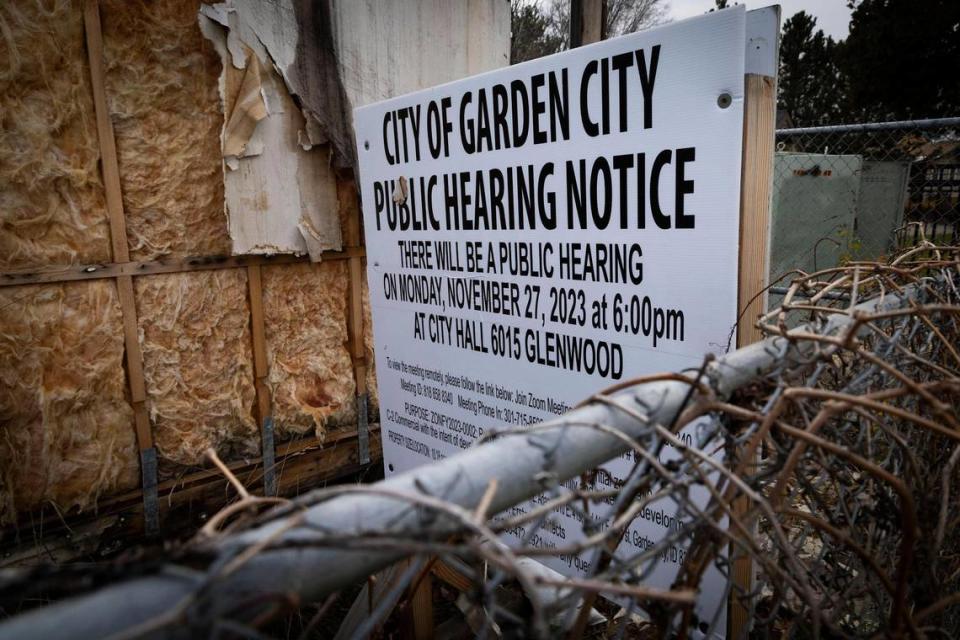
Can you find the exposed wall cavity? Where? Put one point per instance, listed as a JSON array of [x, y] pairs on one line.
[[66, 428], [52, 207], [374, 398], [311, 373], [162, 86], [198, 363], [227, 127]]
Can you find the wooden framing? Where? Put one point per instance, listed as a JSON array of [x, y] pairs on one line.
[[281, 469], [75, 272], [108, 147], [348, 202], [420, 613], [263, 411], [121, 253], [372, 594]]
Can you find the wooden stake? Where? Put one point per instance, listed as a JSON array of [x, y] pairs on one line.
[[369, 598], [755, 192], [756, 186], [452, 577], [421, 609], [121, 253]]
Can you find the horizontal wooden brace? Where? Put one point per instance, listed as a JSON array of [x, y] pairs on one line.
[[74, 272]]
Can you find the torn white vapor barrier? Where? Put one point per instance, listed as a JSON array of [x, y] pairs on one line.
[[292, 73], [280, 191]]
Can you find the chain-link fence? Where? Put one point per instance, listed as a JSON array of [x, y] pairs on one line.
[[823, 461], [861, 191]]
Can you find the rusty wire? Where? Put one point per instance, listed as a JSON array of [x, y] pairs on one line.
[[833, 477], [838, 483]]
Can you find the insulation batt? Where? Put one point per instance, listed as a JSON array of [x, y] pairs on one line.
[[52, 208], [311, 373], [66, 428], [66, 425], [162, 84], [373, 398], [198, 363]]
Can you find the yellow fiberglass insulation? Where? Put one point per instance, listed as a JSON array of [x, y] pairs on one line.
[[374, 398], [311, 373], [198, 363], [52, 207], [162, 83], [66, 428]]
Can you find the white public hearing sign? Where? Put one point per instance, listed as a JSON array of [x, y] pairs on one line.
[[541, 232]]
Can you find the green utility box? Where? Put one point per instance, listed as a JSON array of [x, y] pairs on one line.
[[880, 207], [815, 199]]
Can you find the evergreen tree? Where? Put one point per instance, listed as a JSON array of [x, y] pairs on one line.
[[539, 29], [902, 58], [811, 87], [531, 34]]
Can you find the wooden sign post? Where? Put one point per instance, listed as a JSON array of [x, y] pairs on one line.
[[756, 185]]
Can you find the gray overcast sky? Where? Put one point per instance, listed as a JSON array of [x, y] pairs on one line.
[[832, 16]]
